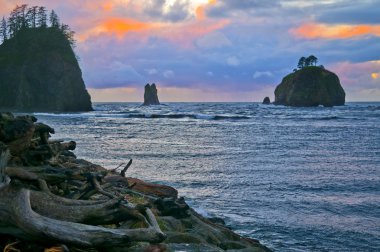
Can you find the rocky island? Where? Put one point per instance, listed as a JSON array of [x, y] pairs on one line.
[[38, 69], [49, 198], [309, 86], [150, 95]]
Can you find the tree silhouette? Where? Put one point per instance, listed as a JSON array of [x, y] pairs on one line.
[[3, 30], [42, 17], [312, 60], [301, 63], [305, 62], [22, 17], [31, 16], [54, 20]]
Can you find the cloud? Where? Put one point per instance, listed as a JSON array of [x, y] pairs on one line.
[[350, 12], [220, 48], [324, 31], [152, 71], [168, 74], [213, 40], [259, 74], [233, 61], [118, 27], [116, 74], [228, 8]]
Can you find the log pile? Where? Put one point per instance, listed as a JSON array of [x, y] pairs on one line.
[[51, 200]]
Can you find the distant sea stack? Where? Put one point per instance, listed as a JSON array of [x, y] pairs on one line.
[[310, 86], [266, 100], [150, 95], [40, 73]]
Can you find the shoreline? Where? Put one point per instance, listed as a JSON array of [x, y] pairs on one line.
[[175, 225]]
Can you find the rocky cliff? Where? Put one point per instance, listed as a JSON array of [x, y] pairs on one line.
[[310, 86], [39, 72], [150, 95]]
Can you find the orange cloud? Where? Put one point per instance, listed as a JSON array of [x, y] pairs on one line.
[[200, 10], [323, 31], [107, 6], [118, 27]]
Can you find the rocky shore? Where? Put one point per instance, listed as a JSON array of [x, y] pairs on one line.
[[53, 201]]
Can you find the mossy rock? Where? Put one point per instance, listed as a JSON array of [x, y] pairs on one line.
[[309, 87], [231, 245], [175, 237], [169, 223]]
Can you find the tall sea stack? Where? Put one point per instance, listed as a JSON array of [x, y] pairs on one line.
[[39, 72], [150, 95]]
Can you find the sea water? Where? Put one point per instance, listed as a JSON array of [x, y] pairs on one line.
[[297, 179]]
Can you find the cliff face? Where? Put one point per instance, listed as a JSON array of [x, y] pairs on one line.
[[150, 95], [310, 86], [39, 72]]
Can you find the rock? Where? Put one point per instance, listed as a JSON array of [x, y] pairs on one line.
[[308, 87], [176, 237], [231, 245], [39, 72], [266, 100], [217, 220], [150, 95], [170, 207]]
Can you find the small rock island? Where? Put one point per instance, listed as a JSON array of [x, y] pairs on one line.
[[39, 71], [266, 100], [150, 95], [310, 86]]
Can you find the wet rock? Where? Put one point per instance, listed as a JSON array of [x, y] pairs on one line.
[[217, 220], [176, 208]]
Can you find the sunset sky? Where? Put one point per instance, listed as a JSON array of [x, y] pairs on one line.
[[218, 50]]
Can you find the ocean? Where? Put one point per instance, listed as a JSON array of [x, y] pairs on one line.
[[297, 179]]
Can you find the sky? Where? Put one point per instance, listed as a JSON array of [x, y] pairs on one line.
[[218, 50]]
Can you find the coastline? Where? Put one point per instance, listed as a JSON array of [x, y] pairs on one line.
[[72, 178]]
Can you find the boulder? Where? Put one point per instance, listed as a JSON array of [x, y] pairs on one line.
[[150, 95], [308, 87], [266, 100]]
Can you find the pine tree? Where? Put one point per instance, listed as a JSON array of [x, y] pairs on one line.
[[32, 16], [54, 20], [42, 17], [3, 30]]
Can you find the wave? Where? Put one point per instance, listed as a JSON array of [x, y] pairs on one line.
[[327, 118], [148, 116], [189, 116]]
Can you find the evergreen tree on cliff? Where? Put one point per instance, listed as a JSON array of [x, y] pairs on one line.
[[38, 68], [3, 30], [310, 86]]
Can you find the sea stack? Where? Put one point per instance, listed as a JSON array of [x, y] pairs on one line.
[[266, 100], [150, 95], [39, 72], [309, 87]]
